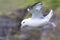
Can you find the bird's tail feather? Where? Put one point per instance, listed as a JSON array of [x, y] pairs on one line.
[[54, 20]]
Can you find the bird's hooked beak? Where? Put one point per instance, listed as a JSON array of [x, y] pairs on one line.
[[23, 26]]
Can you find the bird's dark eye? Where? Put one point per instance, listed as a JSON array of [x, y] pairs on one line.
[[23, 22]]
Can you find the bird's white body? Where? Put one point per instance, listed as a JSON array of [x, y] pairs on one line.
[[37, 18], [36, 22]]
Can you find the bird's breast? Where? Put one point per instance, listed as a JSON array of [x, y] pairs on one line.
[[36, 22]]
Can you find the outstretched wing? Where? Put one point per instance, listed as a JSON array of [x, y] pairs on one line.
[[49, 16], [36, 10]]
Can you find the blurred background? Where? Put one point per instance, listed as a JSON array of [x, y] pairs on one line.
[[13, 8]]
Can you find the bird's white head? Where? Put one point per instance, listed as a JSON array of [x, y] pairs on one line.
[[25, 23]]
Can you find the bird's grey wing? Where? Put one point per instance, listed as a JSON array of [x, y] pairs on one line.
[[36, 10], [35, 13]]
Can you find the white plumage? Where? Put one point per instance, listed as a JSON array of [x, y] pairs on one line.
[[37, 18]]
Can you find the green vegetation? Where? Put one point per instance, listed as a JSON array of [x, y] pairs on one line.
[[6, 5], [9, 4]]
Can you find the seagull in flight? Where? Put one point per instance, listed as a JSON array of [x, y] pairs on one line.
[[37, 18]]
